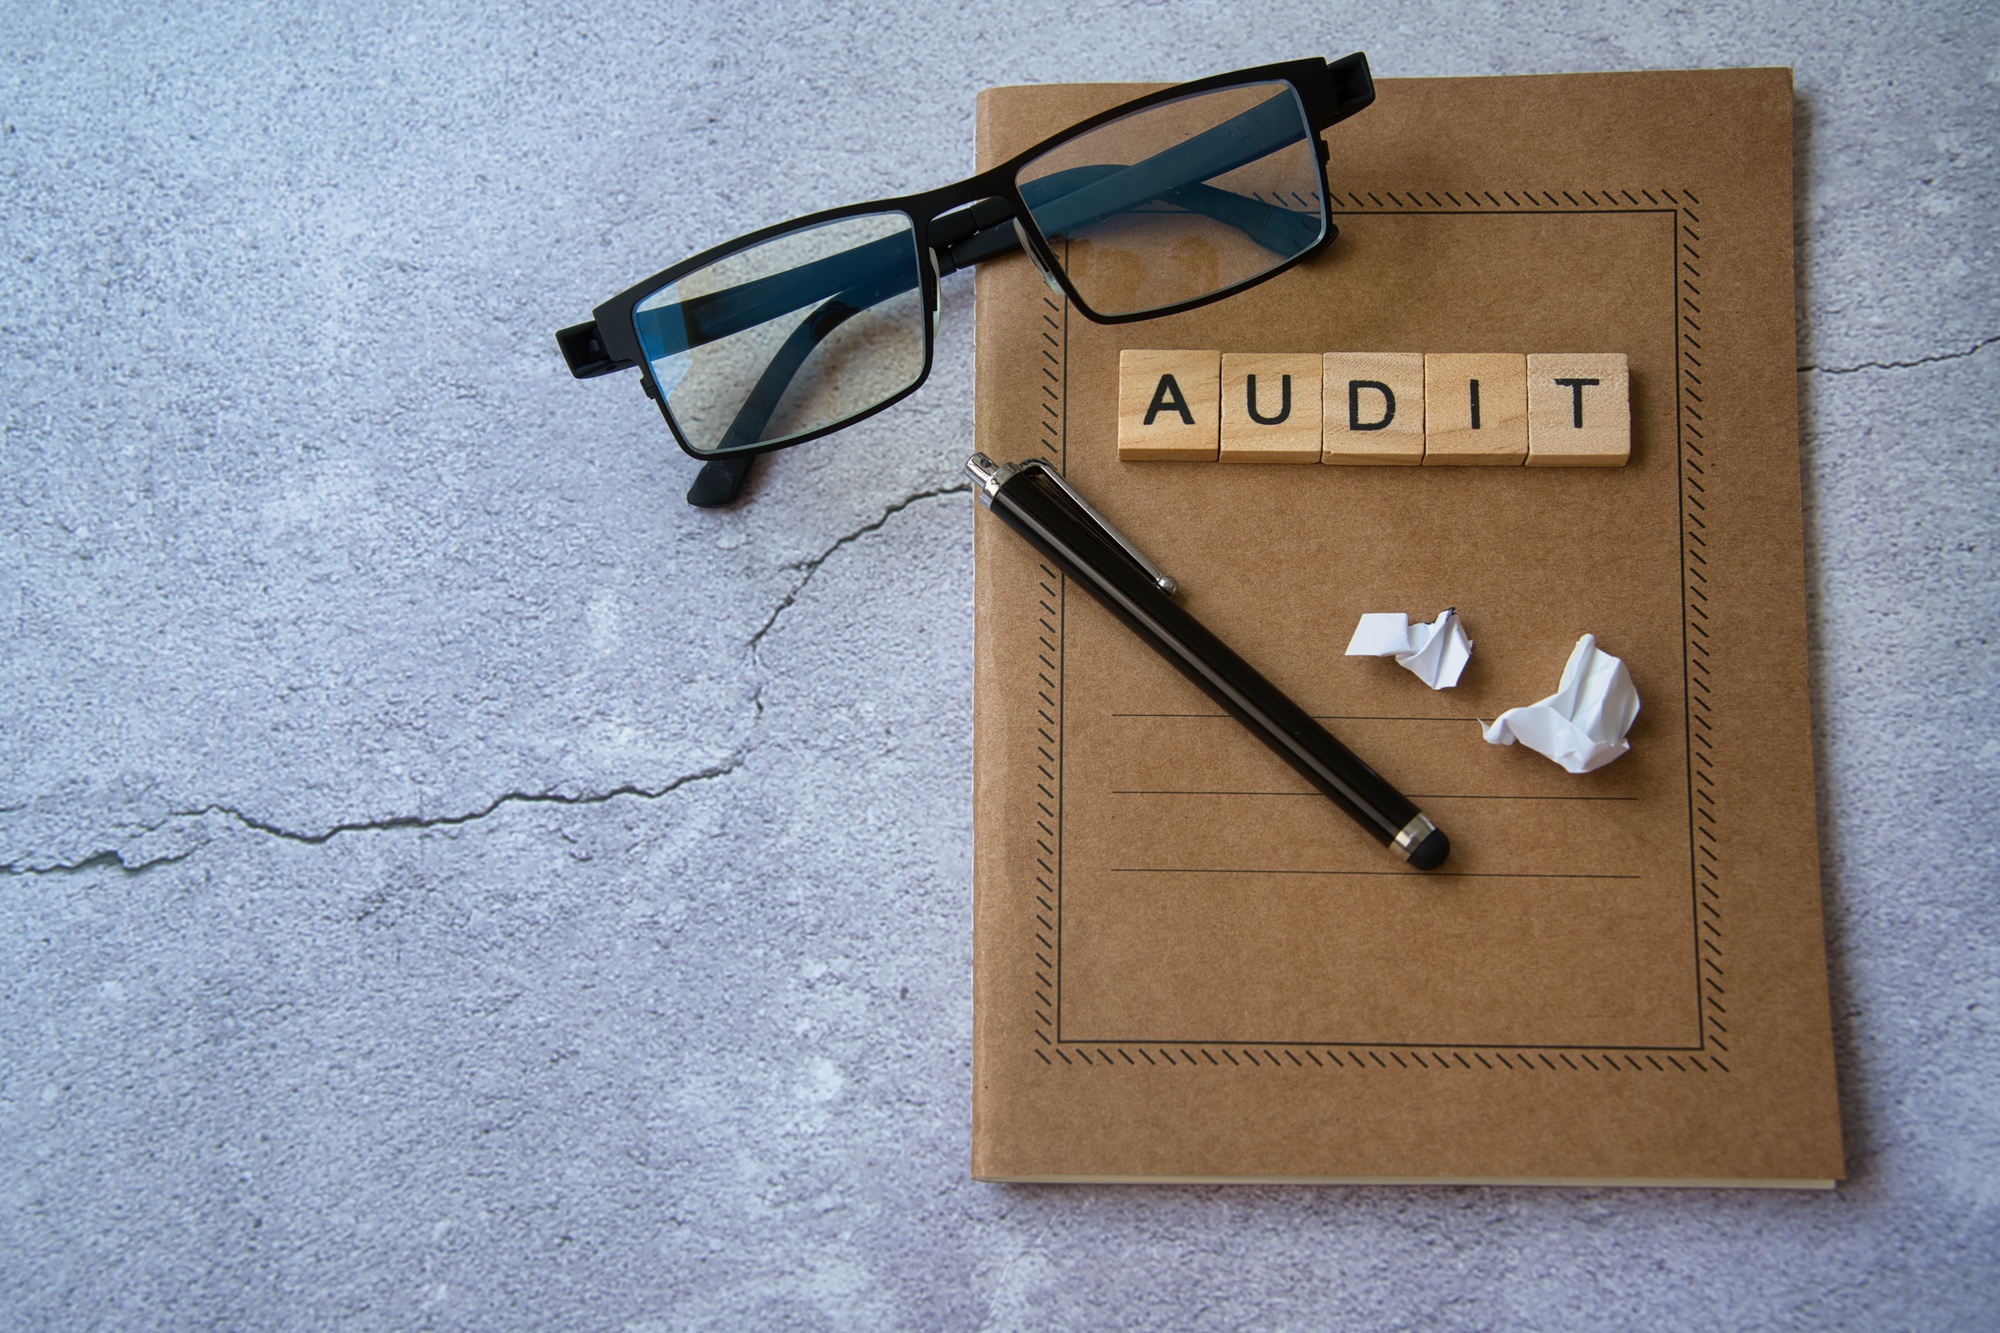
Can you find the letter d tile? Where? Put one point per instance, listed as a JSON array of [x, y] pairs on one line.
[[1374, 407]]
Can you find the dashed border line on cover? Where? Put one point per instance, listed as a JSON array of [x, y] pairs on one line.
[[1697, 689], [1699, 685]]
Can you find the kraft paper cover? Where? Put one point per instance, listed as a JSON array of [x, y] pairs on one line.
[[1186, 964]]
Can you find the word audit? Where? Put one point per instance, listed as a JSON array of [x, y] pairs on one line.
[[1559, 409]]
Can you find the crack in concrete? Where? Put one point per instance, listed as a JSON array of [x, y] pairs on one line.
[[811, 566], [113, 859], [1973, 350], [396, 822]]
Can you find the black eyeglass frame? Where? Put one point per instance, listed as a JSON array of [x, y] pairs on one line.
[[967, 222]]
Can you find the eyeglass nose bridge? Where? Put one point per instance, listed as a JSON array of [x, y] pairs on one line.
[[967, 236]]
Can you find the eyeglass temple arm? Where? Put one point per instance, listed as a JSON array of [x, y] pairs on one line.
[[1170, 174], [1270, 225], [721, 479], [713, 316]]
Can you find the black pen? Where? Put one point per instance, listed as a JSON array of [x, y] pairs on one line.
[[1031, 499]]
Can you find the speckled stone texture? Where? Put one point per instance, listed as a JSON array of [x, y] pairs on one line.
[[448, 883]]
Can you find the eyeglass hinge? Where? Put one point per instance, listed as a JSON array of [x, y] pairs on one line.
[[1352, 86], [583, 348]]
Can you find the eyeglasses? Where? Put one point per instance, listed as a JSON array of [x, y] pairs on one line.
[[1158, 205]]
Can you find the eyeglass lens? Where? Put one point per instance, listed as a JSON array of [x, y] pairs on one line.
[[799, 332], [1181, 200]]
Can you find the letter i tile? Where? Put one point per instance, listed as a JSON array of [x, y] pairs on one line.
[[1476, 408]]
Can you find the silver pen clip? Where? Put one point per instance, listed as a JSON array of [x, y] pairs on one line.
[[992, 477]]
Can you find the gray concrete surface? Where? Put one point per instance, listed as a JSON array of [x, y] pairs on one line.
[[450, 884]]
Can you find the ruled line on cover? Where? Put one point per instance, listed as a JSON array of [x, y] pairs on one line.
[[1321, 717], [1415, 795], [1413, 874]]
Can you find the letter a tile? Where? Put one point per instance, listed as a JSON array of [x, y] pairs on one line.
[[1167, 406], [1374, 407], [1579, 410], [1270, 408]]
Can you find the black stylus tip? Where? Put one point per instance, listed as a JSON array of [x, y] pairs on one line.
[[1431, 852]]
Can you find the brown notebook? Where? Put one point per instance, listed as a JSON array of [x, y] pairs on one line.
[[1187, 965]]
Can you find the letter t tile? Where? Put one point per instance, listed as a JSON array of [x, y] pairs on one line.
[[1579, 410]]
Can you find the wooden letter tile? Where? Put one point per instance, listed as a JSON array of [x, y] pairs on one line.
[[1579, 410], [1475, 408], [1167, 406], [1270, 408], [1374, 407]]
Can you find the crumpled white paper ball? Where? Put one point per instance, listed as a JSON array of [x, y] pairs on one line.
[[1437, 652], [1582, 725]]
